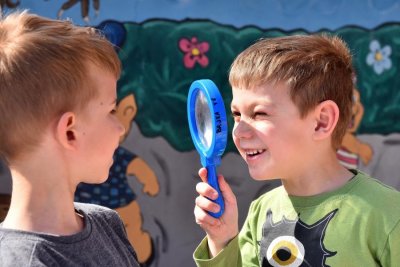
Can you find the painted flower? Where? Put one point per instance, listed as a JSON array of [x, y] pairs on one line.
[[194, 52], [379, 57]]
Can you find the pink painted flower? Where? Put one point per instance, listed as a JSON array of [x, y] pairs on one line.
[[194, 52]]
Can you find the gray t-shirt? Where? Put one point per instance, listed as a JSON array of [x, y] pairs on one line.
[[103, 242]]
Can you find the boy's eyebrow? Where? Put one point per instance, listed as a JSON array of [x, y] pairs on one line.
[[265, 103]]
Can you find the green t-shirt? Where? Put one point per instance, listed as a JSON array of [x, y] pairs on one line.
[[355, 225]]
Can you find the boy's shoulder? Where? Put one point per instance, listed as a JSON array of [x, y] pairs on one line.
[[16, 249], [269, 197], [279, 190], [99, 215], [378, 195], [91, 209], [361, 190], [369, 186], [23, 248], [86, 248]]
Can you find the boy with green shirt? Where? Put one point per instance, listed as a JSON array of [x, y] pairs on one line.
[[291, 106]]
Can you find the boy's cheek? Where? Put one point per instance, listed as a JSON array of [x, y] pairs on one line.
[[235, 141]]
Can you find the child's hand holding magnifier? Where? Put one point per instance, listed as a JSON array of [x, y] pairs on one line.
[[209, 131]]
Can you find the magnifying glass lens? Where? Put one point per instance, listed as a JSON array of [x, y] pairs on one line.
[[203, 119]]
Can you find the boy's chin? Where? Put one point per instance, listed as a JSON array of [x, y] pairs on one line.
[[103, 179], [97, 180], [262, 176], [100, 181]]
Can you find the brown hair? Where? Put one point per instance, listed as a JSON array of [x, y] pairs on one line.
[[315, 67], [43, 73]]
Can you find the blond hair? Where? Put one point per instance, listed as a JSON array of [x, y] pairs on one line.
[[315, 67], [43, 73]]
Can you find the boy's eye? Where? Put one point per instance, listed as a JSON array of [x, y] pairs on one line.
[[113, 111], [235, 114], [260, 115]]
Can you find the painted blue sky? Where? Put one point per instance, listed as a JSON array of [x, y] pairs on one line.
[[311, 15]]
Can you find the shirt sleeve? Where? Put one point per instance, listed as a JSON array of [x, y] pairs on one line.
[[240, 251], [391, 252], [229, 256], [248, 243]]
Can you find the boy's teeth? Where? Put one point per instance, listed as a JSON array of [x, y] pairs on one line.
[[254, 152]]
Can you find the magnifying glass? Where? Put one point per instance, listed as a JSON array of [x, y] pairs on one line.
[[209, 130]]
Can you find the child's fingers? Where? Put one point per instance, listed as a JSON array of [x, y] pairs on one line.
[[226, 190], [207, 205], [203, 174], [204, 219], [206, 190]]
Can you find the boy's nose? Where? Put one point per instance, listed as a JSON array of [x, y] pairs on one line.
[[242, 130]]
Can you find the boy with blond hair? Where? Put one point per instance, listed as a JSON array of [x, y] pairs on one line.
[[291, 106], [58, 128]]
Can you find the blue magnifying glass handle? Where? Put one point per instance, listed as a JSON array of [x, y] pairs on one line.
[[213, 181]]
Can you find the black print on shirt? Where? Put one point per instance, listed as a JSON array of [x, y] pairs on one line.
[[294, 243]]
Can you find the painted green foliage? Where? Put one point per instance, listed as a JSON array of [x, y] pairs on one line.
[[161, 59]]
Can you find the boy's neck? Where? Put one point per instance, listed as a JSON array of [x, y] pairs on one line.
[[322, 177], [42, 201]]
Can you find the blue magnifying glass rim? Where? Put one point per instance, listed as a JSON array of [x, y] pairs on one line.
[[218, 119]]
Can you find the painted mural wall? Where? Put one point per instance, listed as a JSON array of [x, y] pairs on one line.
[[164, 45]]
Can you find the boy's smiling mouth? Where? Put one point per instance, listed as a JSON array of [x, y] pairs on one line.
[[254, 152]]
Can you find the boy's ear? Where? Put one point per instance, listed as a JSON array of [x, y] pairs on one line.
[[326, 118], [66, 133], [127, 109]]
